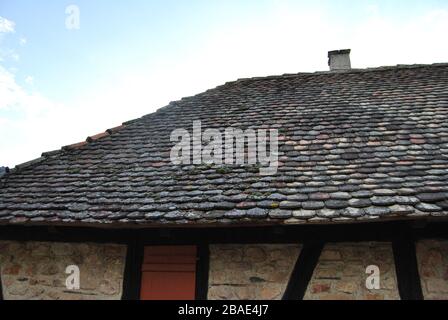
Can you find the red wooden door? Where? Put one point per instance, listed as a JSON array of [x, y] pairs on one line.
[[169, 273]]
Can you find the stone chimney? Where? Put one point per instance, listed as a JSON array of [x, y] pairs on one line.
[[339, 59]]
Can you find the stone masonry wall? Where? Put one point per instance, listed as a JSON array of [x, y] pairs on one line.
[[250, 271], [341, 272], [36, 270], [432, 257]]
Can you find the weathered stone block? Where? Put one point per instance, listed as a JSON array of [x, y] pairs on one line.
[[255, 254], [273, 292], [437, 285], [13, 269], [320, 287], [18, 289], [330, 255], [62, 249]]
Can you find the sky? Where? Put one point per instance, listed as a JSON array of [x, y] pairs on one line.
[[71, 69]]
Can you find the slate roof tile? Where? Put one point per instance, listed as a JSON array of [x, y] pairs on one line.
[[280, 214], [304, 214], [290, 205]]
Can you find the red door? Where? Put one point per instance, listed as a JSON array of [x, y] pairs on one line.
[[169, 273]]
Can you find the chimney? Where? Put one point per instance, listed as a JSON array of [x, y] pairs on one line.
[[339, 59]]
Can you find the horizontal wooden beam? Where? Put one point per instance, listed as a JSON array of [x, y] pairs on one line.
[[374, 231]]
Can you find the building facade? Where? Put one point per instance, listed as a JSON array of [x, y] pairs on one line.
[[355, 210]]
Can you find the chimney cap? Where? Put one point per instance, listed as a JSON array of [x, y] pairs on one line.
[[339, 59], [342, 51]]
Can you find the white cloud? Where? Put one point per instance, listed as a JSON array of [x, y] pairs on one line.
[[6, 25], [8, 53], [25, 121], [372, 9], [29, 80]]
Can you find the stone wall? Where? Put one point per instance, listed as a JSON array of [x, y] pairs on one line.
[[36, 270], [250, 271], [341, 272], [432, 257]]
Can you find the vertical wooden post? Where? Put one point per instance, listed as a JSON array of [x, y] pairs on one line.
[[202, 269], [406, 267], [133, 272]]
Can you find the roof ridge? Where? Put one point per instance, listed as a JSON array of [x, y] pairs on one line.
[[291, 75], [328, 72]]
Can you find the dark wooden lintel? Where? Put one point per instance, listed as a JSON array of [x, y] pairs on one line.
[[374, 231]]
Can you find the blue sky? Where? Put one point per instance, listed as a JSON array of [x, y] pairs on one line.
[[128, 58]]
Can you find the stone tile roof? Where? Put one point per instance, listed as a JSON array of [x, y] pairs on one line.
[[354, 145]]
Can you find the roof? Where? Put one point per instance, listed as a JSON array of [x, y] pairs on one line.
[[357, 145]]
